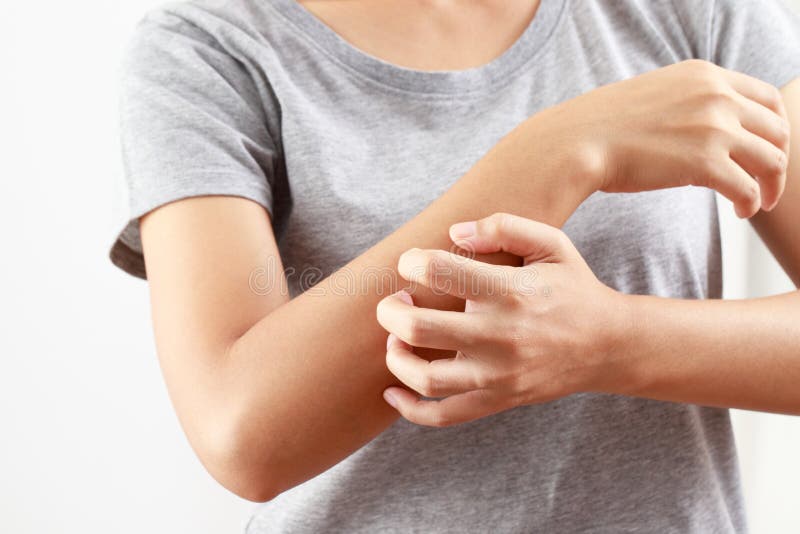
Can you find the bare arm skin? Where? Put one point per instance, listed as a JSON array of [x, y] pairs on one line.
[[524, 349], [742, 354], [271, 392]]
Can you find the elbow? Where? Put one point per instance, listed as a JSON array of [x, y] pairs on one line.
[[241, 484], [238, 461]]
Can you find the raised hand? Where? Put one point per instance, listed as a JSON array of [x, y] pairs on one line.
[[691, 123]]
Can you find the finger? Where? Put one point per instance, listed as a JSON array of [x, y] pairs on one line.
[[447, 273], [765, 161], [449, 411], [764, 123], [762, 92], [435, 378], [425, 327], [503, 232], [735, 184]]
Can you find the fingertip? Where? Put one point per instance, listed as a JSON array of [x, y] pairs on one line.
[[750, 204], [406, 263], [395, 396], [743, 213], [390, 398], [772, 203]]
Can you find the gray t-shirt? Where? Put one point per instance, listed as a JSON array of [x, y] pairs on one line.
[[259, 99]]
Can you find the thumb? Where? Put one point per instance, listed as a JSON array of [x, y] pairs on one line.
[[502, 232]]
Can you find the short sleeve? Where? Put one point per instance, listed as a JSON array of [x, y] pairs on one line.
[[192, 123], [760, 38]]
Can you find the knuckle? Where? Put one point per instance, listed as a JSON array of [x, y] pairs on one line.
[[708, 130], [416, 330], [712, 124], [707, 75], [783, 134], [487, 378], [483, 379], [516, 342], [505, 221], [562, 239], [750, 191], [422, 265], [499, 223], [773, 96], [430, 385], [700, 65], [440, 420], [512, 294], [719, 96], [779, 164], [432, 263]]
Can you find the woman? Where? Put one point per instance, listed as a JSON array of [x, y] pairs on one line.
[[282, 158]]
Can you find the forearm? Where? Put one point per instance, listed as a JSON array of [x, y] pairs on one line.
[[729, 353], [309, 376]]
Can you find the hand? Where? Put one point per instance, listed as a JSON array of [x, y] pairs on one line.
[[529, 334], [691, 123]]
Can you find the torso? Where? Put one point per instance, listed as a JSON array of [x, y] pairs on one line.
[[369, 137]]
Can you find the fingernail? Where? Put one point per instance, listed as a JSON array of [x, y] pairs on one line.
[[390, 341], [391, 399], [405, 297], [463, 230]]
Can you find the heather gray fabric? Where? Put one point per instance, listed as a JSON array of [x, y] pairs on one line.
[[259, 99]]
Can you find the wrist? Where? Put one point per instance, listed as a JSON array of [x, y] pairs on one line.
[[582, 161], [622, 371]]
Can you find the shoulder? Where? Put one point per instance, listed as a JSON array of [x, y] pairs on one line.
[[231, 26], [205, 48], [680, 26]]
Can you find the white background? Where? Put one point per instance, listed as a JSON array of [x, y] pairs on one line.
[[88, 440]]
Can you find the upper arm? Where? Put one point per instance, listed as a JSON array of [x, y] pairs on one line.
[[207, 261], [201, 156], [780, 228]]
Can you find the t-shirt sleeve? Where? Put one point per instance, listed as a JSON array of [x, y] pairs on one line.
[[760, 38], [192, 123]]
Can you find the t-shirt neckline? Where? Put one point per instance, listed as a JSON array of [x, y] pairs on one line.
[[483, 77]]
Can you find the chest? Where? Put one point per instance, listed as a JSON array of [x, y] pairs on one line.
[[353, 181], [362, 158]]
